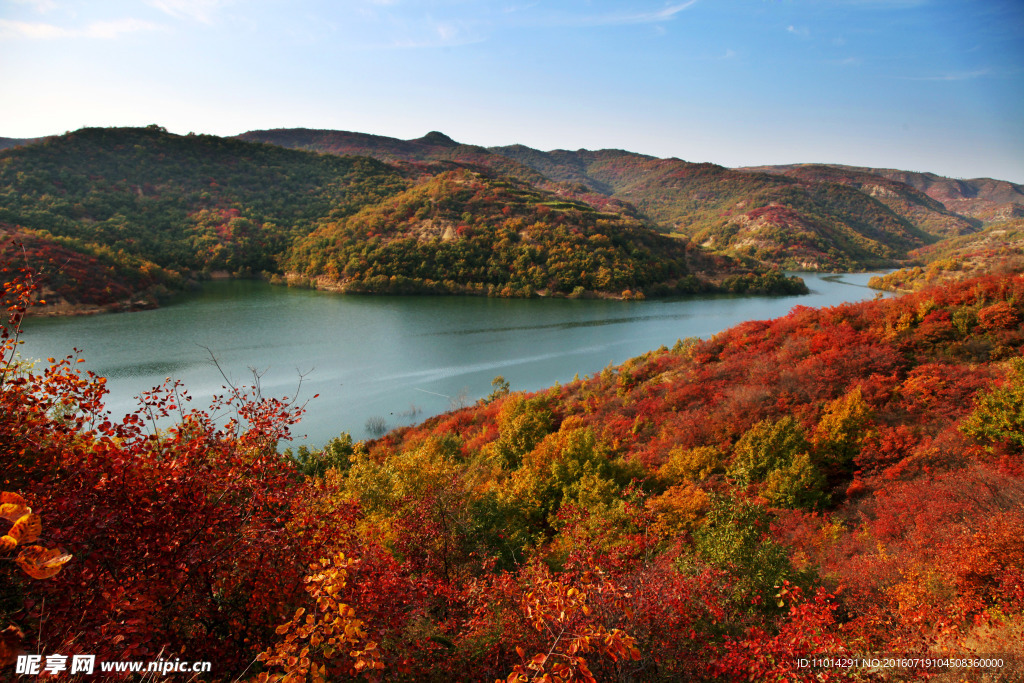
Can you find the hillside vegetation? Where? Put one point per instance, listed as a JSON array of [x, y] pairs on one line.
[[984, 199], [999, 248], [804, 224], [436, 146], [843, 481], [76, 277], [813, 218], [904, 200], [161, 208], [184, 203], [462, 231]]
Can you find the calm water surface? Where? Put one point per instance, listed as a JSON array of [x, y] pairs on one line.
[[398, 358]]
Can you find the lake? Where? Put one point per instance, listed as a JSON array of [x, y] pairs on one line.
[[396, 359]]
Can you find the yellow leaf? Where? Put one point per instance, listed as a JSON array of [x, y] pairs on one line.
[[12, 511], [26, 529], [8, 497], [41, 563], [7, 543]]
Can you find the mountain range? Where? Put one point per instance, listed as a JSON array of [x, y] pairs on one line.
[[803, 217], [140, 210]]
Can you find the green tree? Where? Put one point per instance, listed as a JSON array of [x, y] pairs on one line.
[[765, 447], [735, 537], [999, 414], [800, 484]]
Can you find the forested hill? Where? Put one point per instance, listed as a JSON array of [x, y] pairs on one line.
[[984, 199], [795, 222], [906, 201], [800, 224], [182, 201], [999, 248], [463, 231], [436, 146], [17, 142], [142, 209]]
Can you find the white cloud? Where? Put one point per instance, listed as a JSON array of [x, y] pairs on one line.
[[38, 5], [112, 29], [665, 14], [510, 9], [801, 31], [446, 32], [431, 33], [202, 11], [36, 30], [30, 29]]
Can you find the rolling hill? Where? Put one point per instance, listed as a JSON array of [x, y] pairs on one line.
[[145, 201], [436, 146], [358, 212], [985, 199], [465, 231], [6, 143], [999, 249], [799, 220]]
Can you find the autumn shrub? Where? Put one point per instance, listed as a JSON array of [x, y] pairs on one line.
[[870, 501], [691, 464]]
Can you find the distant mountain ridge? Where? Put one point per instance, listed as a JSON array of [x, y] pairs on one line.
[[793, 223], [806, 217], [7, 143], [367, 213], [432, 147], [986, 199]]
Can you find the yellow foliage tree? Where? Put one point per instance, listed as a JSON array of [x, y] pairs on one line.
[[691, 464], [327, 635], [838, 435], [562, 612], [679, 510]]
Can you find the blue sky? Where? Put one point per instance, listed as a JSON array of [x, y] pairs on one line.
[[927, 85]]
